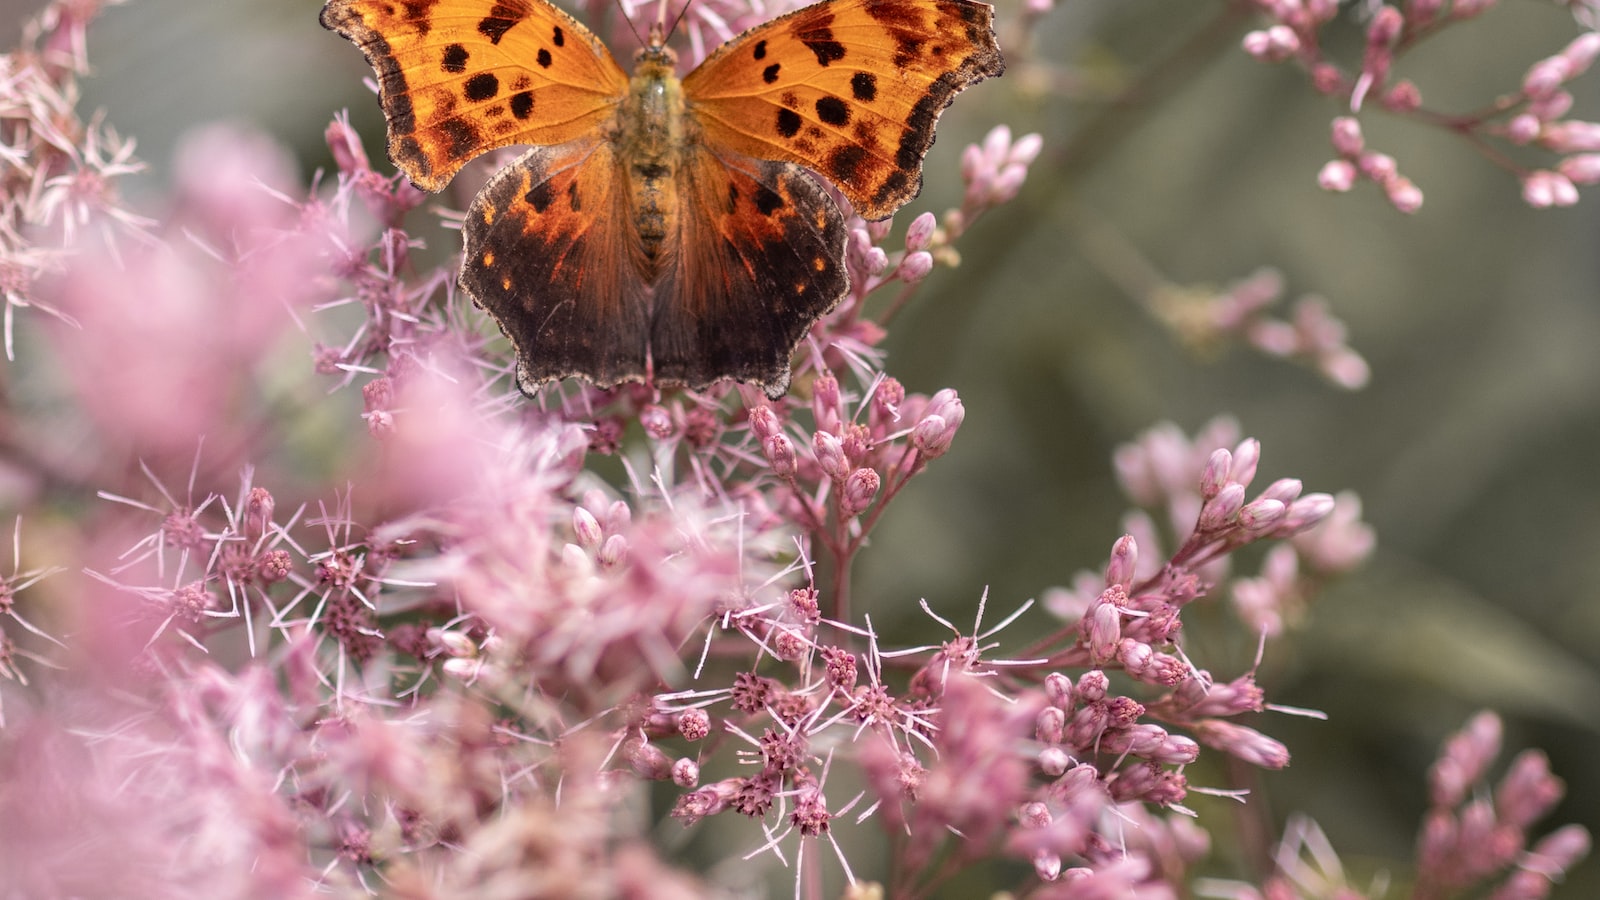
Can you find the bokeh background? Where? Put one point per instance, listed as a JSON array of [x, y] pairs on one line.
[[1476, 447]]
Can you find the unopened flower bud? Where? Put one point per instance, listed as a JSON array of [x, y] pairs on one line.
[[1054, 761], [859, 490], [1218, 512], [1403, 195], [830, 455], [345, 145], [650, 762], [1049, 725], [920, 232], [1246, 457], [258, 512], [1261, 515], [1284, 490], [1306, 512], [779, 451], [826, 405], [657, 422], [764, 422], [613, 553], [1124, 561], [587, 529], [1337, 175], [1215, 474], [915, 267], [685, 773], [694, 724]]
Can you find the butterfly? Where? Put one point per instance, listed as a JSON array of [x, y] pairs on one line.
[[659, 229]]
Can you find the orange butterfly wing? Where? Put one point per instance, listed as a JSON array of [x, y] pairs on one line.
[[849, 88], [458, 78], [551, 253], [759, 256]]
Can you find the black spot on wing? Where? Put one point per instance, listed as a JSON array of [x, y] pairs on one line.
[[843, 163], [770, 73], [558, 37], [462, 136], [539, 197], [833, 111], [543, 58], [455, 59], [864, 86], [760, 51], [522, 104], [789, 123], [482, 86]]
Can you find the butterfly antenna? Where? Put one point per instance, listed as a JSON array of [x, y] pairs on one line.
[[681, 13], [622, 10]]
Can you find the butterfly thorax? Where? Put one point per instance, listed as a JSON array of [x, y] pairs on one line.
[[650, 140]]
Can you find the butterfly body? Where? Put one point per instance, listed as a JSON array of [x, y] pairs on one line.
[[649, 134], [661, 229]]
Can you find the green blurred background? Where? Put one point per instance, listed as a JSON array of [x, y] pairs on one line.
[[1476, 448]]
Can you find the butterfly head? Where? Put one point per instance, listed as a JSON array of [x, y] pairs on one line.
[[655, 51]]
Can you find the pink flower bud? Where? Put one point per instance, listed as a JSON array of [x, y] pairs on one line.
[[1215, 474], [1581, 53], [1244, 743], [779, 451], [1102, 629], [587, 529], [1219, 511], [1007, 184], [1571, 136], [1260, 46], [258, 510], [1261, 515], [612, 553], [826, 405], [1049, 725], [1284, 490], [1326, 79], [650, 762], [657, 422], [1337, 175], [685, 773], [996, 144], [1403, 195], [1124, 561], [1546, 75], [1246, 456], [1306, 512], [1025, 150], [1583, 168], [920, 233], [940, 420], [1551, 107], [694, 724], [1385, 28], [1347, 137], [1379, 167], [1092, 686], [763, 422], [875, 261], [1054, 761], [915, 267], [345, 144], [859, 490], [1523, 128], [830, 455], [1405, 96], [1542, 189], [1047, 866]]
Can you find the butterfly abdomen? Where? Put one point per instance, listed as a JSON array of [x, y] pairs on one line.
[[649, 139]]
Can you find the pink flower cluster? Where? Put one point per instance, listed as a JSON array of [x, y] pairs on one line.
[[1534, 115], [343, 613]]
